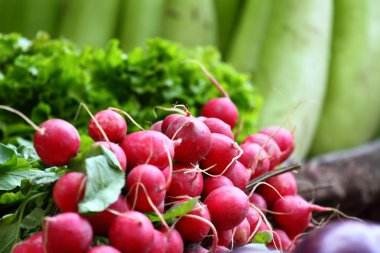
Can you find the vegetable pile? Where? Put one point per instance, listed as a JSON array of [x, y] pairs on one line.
[[184, 185]]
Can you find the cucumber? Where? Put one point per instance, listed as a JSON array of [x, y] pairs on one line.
[[248, 39], [190, 22], [140, 19], [293, 66], [351, 112]]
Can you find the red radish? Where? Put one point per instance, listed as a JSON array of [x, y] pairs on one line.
[[168, 120], [69, 190], [242, 233], [34, 244], [117, 150], [132, 231], [174, 241], [292, 213], [225, 237], [280, 241], [56, 142], [201, 118], [212, 183], [161, 207], [192, 230], [195, 248], [234, 205], [147, 146], [102, 221], [67, 232], [269, 145], [239, 175], [195, 139], [166, 173], [285, 184], [143, 181], [221, 156], [186, 180], [218, 126], [112, 123], [222, 249], [255, 158], [223, 109], [157, 126], [284, 139], [253, 217], [159, 243], [103, 249], [259, 202]]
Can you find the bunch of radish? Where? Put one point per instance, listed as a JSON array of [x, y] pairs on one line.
[[179, 158]]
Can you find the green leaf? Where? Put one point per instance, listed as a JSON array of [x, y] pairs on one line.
[[12, 179], [105, 179], [10, 198], [33, 220], [176, 211], [9, 235], [8, 158], [263, 237]]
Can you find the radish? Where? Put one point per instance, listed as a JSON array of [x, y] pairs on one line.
[[242, 232], [192, 230], [147, 146], [195, 139], [69, 190], [281, 240], [239, 175], [254, 158], [259, 202], [56, 142], [112, 123], [145, 183], [222, 155], [269, 145], [235, 207], [132, 231], [218, 126], [284, 139], [225, 237], [212, 183], [195, 248], [220, 108], [157, 126], [223, 109], [117, 150], [253, 217], [174, 241], [103, 249], [101, 222], [222, 249], [186, 181], [168, 120], [293, 214], [67, 232], [34, 244], [159, 243], [285, 184]]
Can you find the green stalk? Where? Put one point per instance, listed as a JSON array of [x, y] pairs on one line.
[[351, 114], [141, 19], [190, 22], [292, 70], [227, 14], [90, 21], [249, 36]]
